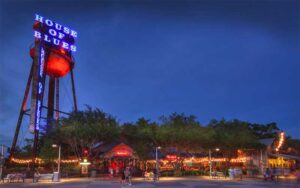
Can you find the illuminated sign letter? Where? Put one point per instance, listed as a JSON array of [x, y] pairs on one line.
[[65, 45], [57, 26], [52, 32], [73, 33], [56, 41], [37, 34], [46, 38], [38, 18], [66, 30], [49, 22], [73, 48], [61, 35]]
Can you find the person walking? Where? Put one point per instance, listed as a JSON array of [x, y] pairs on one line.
[[274, 176], [127, 176], [130, 175], [267, 174], [123, 177], [155, 174]]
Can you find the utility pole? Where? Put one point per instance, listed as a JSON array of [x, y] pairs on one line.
[[261, 162], [210, 162]]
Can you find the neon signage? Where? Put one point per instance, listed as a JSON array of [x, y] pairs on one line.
[[37, 92], [122, 153], [40, 89], [85, 162], [171, 157], [54, 33]]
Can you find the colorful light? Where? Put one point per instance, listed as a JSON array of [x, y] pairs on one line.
[[281, 141], [85, 162], [122, 153], [171, 157], [206, 159], [41, 161], [58, 65]]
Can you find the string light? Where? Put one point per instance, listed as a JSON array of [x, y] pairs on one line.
[[198, 160], [21, 161], [26, 161], [206, 159], [41, 161], [281, 140], [69, 161]]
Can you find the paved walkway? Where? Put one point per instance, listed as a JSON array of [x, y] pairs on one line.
[[188, 182]]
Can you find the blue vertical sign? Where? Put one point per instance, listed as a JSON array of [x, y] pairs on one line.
[[40, 88], [37, 88]]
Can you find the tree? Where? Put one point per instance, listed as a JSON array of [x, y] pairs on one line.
[[293, 145], [83, 129], [185, 133], [233, 135], [265, 130], [141, 135]]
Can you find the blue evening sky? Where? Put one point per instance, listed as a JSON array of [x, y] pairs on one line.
[[212, 59]]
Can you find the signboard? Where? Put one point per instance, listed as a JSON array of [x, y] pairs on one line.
[[122, 153], [171, 157], [37, 90], [121, 150], [49, 36], [54, 33], [40, 88]]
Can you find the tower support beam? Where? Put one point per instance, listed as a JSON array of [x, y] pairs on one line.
[[73, 91], [21, 113], [50, 111]]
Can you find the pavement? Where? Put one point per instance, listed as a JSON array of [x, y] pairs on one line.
[[165, 182]]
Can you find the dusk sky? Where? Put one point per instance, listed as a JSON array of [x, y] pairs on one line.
[[211, 59]]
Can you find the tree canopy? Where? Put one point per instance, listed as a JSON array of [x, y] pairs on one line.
[[84, 129]]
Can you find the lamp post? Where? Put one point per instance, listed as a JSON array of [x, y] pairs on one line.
[[58, 162], [261, 162], [209, 155], [1, 160], [210, 164], [156, 158]]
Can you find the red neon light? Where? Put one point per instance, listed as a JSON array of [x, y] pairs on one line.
[[62, 51], [171, 157], [57, 66], [122, 153]]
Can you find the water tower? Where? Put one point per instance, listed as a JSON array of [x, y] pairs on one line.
[[52, 60]]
